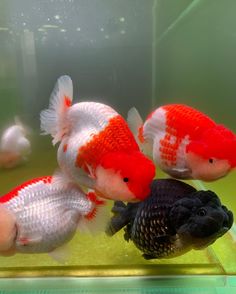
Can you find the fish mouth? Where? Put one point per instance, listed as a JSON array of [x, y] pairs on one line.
[[202, 243]]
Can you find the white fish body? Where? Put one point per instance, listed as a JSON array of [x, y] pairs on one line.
[[73, 126], [88, 119], [46, 214]]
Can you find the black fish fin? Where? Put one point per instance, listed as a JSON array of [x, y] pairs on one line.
[[118, 207], [127, 234], [119, 220], [148, 256]]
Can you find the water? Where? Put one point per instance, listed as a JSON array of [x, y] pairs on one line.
[[123, 53]]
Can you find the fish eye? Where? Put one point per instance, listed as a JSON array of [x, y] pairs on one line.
[[125, 180], [211, 160], [201, 212]]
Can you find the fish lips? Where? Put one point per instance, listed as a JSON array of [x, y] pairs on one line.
[[201, 243]]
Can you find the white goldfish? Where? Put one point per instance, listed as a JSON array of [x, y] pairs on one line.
[[15, 147]]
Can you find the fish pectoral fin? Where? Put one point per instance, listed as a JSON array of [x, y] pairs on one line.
[[95, 221], [86, 180], [119, 220], [127, 234], [60, 254], [148, 256], [118, 207], [91, 172], [115, 225]]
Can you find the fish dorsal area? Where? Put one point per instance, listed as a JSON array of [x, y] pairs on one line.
[[99, 132]]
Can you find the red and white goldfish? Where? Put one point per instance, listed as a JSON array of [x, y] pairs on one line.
[[42, 215], [97, 149], [14, 145], [186, 143]]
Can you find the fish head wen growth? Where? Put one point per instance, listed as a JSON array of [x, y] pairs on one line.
[[214, 155], [124, 176], [200, 219]]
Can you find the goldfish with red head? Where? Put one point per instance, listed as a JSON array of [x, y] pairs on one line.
[[97, 149], [185, 143]]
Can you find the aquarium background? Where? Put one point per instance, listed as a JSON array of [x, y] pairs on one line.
[[124, 53]]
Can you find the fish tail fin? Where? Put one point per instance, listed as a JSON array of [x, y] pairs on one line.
[[120, 219], [54, 119], [96, 220], [60, 179], [61, 254]]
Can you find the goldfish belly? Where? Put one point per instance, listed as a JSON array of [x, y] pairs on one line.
[[44, 235]]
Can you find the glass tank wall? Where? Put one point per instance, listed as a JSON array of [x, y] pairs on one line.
[[123, 53]]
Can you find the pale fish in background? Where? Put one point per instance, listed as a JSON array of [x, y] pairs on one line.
[[15, 147]]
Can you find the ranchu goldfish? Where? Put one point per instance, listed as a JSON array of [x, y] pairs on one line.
[[42, 215], [15, 147], [185, 143], [173, 220], [97, 150]]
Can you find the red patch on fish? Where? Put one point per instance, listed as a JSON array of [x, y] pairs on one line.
[[13, 193], [65, 148], [24, 241], [140, 134], [67, 101], [115, 137], [93, 198], [150, 115]]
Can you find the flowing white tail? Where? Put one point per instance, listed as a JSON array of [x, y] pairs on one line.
[[54, 119]]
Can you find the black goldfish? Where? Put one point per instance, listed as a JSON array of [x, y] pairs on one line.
[[174, 219]]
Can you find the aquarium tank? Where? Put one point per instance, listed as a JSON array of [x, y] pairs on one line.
[[123, 53]]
